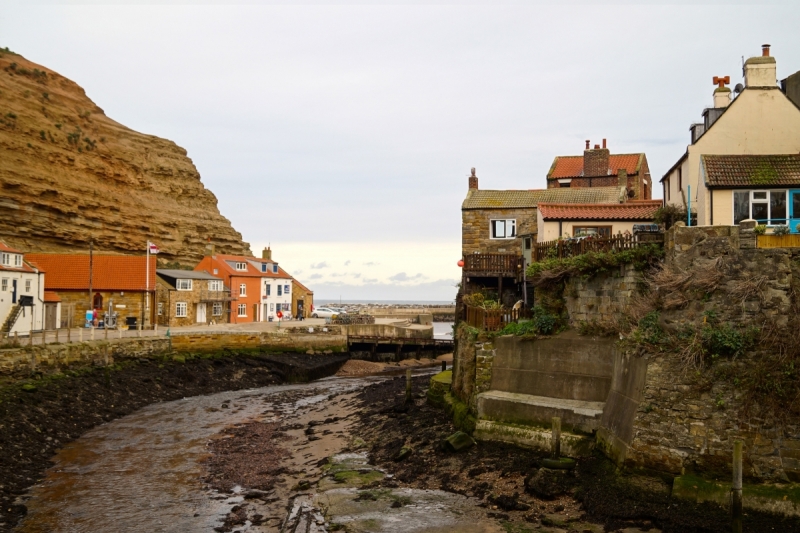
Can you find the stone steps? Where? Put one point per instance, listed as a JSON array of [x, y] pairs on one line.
[[577, 416]]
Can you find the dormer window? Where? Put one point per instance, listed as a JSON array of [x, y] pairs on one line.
[[7, 259], [274, 269], [17, 260], [241, 266], [264, 267], [183, 284]]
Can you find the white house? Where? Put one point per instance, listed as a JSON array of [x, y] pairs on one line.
[[24, 306], [740, 163]]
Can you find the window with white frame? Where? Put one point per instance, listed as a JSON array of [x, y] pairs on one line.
[[160, 308], [503, 229], [216, 309], [4, 285], [279, 290], [215, 285], [184, 285], [216, 271], [241, 267], [7, 259], [272, 307], [766, 207], [18, 260], [242, 289], [267, 289], [181, 309], [27, 285], [242, 309]]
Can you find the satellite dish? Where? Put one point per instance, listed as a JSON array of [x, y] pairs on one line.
[[739, 88]]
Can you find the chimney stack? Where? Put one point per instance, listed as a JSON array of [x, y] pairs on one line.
[[623, 177], [761, 71], [587, 143], [267, 254], [595, 162], [473, 180], [722, 94]]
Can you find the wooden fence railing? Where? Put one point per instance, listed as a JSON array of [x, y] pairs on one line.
[[492, 263], [560, 249], [493, 319]]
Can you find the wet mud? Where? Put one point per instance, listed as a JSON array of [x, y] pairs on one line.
[[56, 410]]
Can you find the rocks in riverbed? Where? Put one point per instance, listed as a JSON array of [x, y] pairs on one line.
[[458, 442], [547, 483]]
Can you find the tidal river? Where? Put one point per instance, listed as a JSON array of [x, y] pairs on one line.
[[145, 472], [142, 473]]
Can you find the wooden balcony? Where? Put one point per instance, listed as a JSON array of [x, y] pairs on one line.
[[494, 319], [493, 265]]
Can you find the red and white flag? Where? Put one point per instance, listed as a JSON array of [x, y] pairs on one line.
[[152, 248]]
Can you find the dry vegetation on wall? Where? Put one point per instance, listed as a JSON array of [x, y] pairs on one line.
[[758, 361], [553, 271]]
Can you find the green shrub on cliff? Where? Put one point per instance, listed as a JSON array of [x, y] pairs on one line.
[[590, 264]]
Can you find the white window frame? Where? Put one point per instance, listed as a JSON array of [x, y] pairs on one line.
[[160, 308], [6, 259], [768, 202], [215, 285], [181, 310], [271, 307], [241, 267], [242, 289], [506, 221], [183, 284], [27, 285], [4, 285], [17, 260], [216, 309], [242, 310]]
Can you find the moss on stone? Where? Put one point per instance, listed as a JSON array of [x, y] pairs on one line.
[[463, 419]]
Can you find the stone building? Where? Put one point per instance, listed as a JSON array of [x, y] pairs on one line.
[[597, 167], [122, 283], [188, 297], [302, 299], [741, 160]]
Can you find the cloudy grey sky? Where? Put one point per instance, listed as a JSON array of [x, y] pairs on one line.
[[352, 129]]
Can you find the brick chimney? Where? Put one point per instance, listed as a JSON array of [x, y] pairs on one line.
[[761, 71], [473, 180], [267, 254], [623, 177], [595, 161]]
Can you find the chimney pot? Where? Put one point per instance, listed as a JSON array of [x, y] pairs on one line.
[[267, 253], [765, 50], [596, 146], [587, 143], [473, 179], [604, 143]]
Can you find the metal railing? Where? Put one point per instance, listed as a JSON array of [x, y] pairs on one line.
[[218, 296]]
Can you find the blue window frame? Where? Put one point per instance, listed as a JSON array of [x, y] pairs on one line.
[[263, 267], [274, 269]]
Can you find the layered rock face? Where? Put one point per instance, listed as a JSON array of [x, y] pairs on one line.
[[69, 174]]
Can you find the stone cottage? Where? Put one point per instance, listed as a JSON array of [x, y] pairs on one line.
[[188, 297]]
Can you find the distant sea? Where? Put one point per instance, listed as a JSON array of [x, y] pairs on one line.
[[386, 302]]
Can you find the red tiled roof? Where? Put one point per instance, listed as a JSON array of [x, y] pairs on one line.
[[6, 248], [641, 210], [571, 166], [762, 171], [251, 272], [24, 268], [109, 272], [51, 297]]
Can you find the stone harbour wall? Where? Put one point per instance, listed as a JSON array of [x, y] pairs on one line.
[[601, 299]]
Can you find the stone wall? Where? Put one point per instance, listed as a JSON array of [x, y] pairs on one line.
[[74, 305], [601, 299], [475, 230], [472, 367]]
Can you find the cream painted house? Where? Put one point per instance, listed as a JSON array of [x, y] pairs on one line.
[[601, 220], [761, 121]]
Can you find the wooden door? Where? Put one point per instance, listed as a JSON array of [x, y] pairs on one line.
[[50, 318]]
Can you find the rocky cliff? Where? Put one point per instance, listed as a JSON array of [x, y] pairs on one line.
[[69, 174]]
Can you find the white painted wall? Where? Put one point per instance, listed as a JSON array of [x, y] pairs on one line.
[[272, 301], [23, 324]]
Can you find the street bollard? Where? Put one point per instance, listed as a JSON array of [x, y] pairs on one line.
[[408, 385], [556, 439], [736, 489], [92, 333], [56, 335]]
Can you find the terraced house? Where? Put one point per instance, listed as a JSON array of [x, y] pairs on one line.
[[187, 297]]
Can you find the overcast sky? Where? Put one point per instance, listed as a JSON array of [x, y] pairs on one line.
[[343, 135]]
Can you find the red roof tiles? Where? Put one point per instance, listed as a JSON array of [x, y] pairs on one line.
[[109, 272], [6, 248], [253, 272], [641, 210], [51, 297], [571, 166]]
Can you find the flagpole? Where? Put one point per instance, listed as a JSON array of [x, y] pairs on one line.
[[146, 284]]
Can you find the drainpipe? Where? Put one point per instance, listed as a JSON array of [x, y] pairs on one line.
[[711, 200], [689, 209]]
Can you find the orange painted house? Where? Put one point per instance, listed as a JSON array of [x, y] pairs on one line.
[[259, 287]]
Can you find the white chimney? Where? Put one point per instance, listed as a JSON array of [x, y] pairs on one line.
[[761, 71], [722, 95]]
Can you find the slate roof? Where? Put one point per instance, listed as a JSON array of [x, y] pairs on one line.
[[633, 210], [186, 274], [571, 166], [485, 199], [764, 171], [109, 272]]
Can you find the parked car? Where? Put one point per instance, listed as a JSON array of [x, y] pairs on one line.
[[324, 312], [338, 310]]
